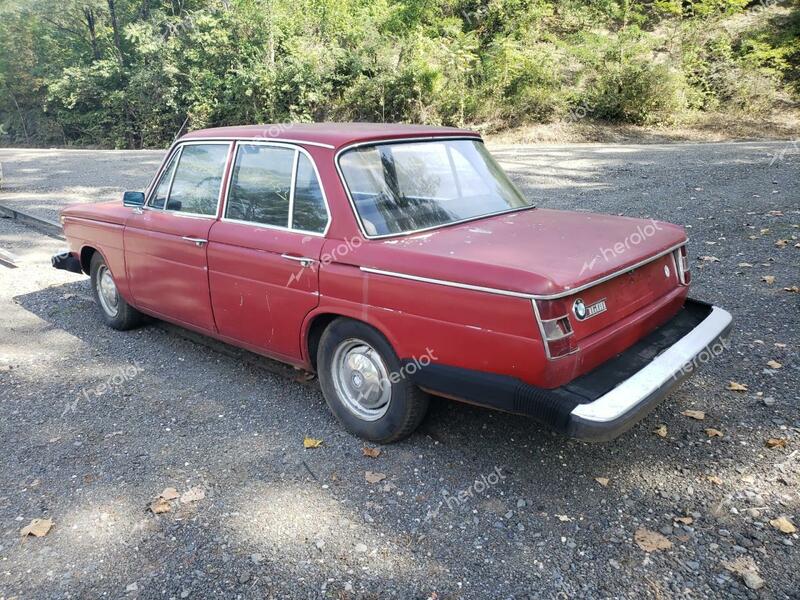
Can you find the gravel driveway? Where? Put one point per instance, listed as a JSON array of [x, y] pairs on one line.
[[97, 423]]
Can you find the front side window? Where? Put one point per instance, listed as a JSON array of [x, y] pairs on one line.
[[276, 185], [198, 177], [402, 187], [161, 192]]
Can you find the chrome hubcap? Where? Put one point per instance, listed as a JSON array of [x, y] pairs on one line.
[[361, 379], [107, 291]]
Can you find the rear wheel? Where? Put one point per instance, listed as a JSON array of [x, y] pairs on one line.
[[364, 384], [114, 310]]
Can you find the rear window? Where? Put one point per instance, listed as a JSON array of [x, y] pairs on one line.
[[402, 187]]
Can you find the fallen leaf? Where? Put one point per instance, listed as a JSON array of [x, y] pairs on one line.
[[684, 520], [661, 431], [711, 432], [159, 506], [774, 364], [747, 569], [37, 528], [192, 495], [169, 493], [311, 443], [650, 541], [776, 443], [714, 479], [371, 452], [737, 387], [781, 243], [765, 230], [303, 376], [602, 480], [783, 525], [744, 264], [709, 259], [694, 414], [768, 279], [373, 477], [793, 289]]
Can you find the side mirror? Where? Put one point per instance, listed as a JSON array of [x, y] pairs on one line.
[[133, 199]]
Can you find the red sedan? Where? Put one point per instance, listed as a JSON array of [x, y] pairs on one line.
[[399, 261]]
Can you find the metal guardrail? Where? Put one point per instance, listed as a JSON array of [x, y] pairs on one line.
[[46, 226]]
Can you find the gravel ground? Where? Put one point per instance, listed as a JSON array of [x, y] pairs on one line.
[[96, 423]]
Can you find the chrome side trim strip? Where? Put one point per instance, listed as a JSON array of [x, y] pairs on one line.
[[478, 288], [658, 376], [463, 286], [259, 138]]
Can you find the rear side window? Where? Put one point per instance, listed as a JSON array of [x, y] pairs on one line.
[[278, 186], [198, 177], [261, 185]]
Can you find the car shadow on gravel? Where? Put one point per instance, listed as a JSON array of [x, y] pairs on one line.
[[470, 486]]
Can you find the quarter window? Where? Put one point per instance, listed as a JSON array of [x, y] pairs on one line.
[[309, 205], [195, 188]]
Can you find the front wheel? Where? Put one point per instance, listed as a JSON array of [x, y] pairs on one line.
[[116, 313], [364, 384]]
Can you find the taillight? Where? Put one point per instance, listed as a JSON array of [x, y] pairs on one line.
[[554, 324], [682, 261]]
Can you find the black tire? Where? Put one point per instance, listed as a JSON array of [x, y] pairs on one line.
[[125, 316], [407, 404]]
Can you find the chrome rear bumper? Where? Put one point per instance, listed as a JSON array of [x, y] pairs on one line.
[[609, 400], [631, 400]]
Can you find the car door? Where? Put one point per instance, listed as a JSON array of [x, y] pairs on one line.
[[263, 254], [165, 241]]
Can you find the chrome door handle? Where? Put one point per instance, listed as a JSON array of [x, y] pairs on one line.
[[196, 241], [303, 260]]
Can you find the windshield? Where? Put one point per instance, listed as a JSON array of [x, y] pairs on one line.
[[407, 186]]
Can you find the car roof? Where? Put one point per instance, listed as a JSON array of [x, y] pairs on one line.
[[333, 135]]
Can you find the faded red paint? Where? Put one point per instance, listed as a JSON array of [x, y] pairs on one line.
[[238, 288]]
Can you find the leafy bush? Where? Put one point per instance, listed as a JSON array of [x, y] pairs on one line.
[[74, 73]]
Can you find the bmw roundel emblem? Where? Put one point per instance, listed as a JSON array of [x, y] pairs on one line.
[[579, 308]]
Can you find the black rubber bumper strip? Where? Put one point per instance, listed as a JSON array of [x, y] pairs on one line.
[[66, 262], [549, 407]]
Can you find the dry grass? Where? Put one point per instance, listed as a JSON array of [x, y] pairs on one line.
[[699, 127]]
